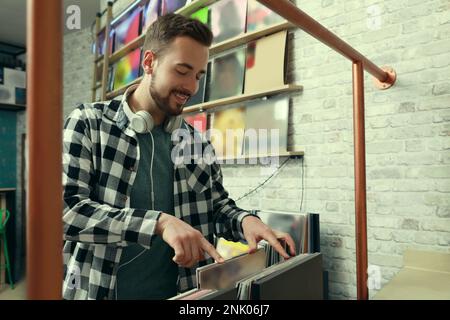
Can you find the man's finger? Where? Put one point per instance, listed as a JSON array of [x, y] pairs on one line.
[[252, 244], [288, 239], [209, 248], [179, 253], [273, 241], [194, 249]]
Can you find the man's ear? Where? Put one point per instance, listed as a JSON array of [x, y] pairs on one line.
[[148, 62]]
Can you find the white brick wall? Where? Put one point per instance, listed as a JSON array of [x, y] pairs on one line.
[[407, 132], [77, 69]]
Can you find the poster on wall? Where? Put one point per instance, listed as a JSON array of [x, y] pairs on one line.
[[227, 75], [127, 28], [267, 120], [259, 16], [127, 69], [227, 132], [228, 19], [265, 60]]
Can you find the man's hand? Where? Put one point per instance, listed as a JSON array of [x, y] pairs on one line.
[[255, 230], [188, 243]]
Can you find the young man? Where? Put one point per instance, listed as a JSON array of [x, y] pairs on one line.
[[137, 223]]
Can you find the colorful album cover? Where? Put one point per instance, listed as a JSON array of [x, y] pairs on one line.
[[227, 75], [267, 120], [150, 13], [198, 121], [227, 132], [228, 19], [259, 16], [127, 28], [202, 15], [168, 6], [101, 42], [127, 69]]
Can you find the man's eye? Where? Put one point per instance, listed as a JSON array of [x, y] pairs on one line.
[[181, 73]]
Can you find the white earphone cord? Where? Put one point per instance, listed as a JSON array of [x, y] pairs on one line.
[[152, 197]]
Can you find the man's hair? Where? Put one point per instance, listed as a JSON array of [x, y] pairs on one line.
[[169, 26]]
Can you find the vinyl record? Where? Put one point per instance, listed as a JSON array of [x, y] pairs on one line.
[[228, 131], [228, 19], [227, 75], [267, 120], [259, 16]]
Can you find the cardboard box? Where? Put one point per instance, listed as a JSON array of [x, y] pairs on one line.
[[425, 276]]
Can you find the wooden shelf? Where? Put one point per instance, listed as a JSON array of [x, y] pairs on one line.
[[215, 49], [118, 92], [298, 153], [122, 52], [240, 98], [221, 102], [12, 107]]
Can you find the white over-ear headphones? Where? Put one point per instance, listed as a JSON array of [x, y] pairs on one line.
[[142, 121]]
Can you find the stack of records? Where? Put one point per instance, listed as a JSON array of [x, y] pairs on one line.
[[207, 294], [225, 275], [299, 277], [272, 256], [303, 228], [218, 281]]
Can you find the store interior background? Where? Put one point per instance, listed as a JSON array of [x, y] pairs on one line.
[[407, 130]]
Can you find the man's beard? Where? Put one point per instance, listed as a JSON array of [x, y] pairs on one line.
[[162, 103]]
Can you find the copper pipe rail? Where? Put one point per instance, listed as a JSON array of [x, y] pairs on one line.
[[44, 203], [384, 78], [360, 181]]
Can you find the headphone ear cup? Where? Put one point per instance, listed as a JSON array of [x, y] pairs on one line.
[[142, 122], [173, 123]]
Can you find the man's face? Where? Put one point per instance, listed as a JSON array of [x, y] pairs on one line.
[[175, 75]]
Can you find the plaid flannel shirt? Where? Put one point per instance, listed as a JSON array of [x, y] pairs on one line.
[[100, 160]]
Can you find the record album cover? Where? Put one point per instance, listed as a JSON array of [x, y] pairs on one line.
[[228, 19], [265, 60], [259, 16], [127, 69], [127, 28], [226, 75], [227, 132]]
